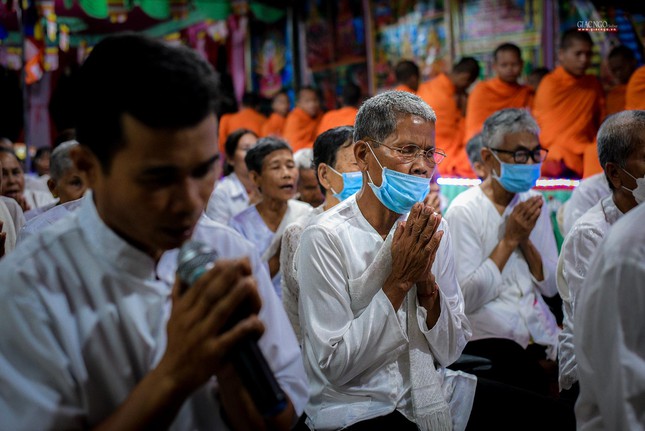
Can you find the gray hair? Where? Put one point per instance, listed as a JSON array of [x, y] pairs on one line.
[[61, 161], [304, 158], [473, 149], [619, 136], [506, 121], [378, 116]]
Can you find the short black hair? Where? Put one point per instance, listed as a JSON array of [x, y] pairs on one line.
[[573, 34], [230, 146], [265, 146], [351, 94], [162, 86], [507, 47], [622, 51], [328, 143], [468, 65], [406, 69]]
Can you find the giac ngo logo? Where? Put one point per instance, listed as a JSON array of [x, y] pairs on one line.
[[596, 25]]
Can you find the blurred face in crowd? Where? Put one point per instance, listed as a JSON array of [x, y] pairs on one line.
[[308, 101], [280, 104], [621, 68], [508, 66], [13, 181], [245, 143], [576, 59], [69, 187], [345, 162], [279, 176], [41, 164], [308, 188], [157, 184]]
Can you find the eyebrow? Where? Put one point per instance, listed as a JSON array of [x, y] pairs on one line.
[[155, 171]]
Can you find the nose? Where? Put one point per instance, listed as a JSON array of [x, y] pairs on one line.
[[421, 166], [190, 197]]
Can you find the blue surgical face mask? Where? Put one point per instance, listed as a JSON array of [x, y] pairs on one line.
[[517, 178], [399, 191], [352, 183]]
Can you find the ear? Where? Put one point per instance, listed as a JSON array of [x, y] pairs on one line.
[[255, 177], [360, 152], [323, 171], [86, 162], [612, 172], [51, 185]]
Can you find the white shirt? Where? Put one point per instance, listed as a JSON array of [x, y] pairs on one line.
[[508, 304], [250, 224], [573, 265], [290, 287], [609, 339], [228, 199], [356, 352], [83, 319], [37, 198], [48, 218], [13, 219], [588, 193], [32, 213]]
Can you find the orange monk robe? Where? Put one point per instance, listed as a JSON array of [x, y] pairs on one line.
[[616, 99], [300, 129], [274, 126], [439, 93], [635, 93], [246, 118], [569, 110], [489, 97], [344, 116], [403, 87]]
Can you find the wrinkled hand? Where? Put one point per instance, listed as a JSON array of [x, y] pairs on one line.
[[415, 244], [433, 199], [522, 219], [200, 330]]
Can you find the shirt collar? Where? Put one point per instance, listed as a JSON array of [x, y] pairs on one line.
[[104, 242], [612, 213]]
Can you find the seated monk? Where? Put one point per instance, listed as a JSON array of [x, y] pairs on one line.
[[407, 76], [635, 93], [622, 64], [246, 118], [302, 122], [569, 107], [346, 115], [498, 93], [446, 94]]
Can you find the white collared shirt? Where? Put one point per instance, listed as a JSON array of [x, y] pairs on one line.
[[48, 218], [508, 304], [609, 339], [588, 193], [228, 199], [13, 220], [250, 225], [356, 355], [574, 264], [83, 319]]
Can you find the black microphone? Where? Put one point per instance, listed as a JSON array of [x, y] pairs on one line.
[[195, 258]]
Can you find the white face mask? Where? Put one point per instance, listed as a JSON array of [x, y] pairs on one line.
[[639, 191]]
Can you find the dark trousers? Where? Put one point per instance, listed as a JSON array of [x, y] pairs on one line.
[[503, 407], [511, 364], [394, 421]]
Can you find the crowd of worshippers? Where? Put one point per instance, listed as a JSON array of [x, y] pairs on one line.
[[375, 304]]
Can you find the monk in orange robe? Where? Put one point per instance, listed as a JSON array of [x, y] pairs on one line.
[[274, 126], [246, 118], [446, 94], [622, 64], [635, 93], [498, 93], [302, 121], [407, 76], [344, 116], [569, 107]]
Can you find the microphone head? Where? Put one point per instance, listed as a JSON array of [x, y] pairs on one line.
[[195, 258]]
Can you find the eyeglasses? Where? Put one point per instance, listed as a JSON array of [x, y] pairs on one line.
[[522, 156], [409, 153]]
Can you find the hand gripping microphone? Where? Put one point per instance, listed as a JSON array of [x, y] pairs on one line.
[[195, 258]]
